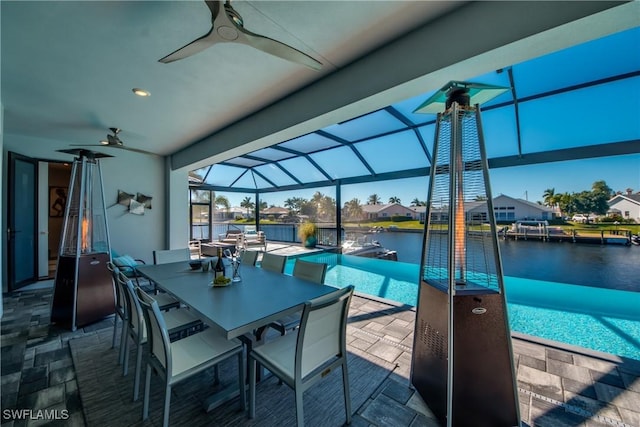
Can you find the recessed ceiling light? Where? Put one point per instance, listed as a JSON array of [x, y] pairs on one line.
[[140, 92], [104, 142]]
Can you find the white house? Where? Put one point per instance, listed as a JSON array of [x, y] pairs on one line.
[[274, 211], [508, 208], [387, 211], [627, 205], [505, 208]]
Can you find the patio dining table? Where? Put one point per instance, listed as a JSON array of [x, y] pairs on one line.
[[240, 308]]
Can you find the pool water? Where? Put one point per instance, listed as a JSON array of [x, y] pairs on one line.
[[599, 319]]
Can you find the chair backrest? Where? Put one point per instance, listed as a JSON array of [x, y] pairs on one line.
[[171, 255], [120, 301], [250, 229], [249, 257], [273, 262], [134, 311], [311, 271], [322, 334], [159, 344], [195, 248]]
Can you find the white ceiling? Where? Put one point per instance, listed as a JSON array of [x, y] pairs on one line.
[[68, 67]]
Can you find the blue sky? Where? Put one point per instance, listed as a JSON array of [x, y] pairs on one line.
[[524, 182], [566, 120]]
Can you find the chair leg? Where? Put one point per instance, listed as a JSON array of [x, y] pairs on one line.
[[147, 387], [167, 405], [123, 335], [347, 396], [241, 382], [136, 383], [115, 328], [252, 387], [125, 365], [299, 407]]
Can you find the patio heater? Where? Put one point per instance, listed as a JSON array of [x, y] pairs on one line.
[[84, 290], [462, 362]]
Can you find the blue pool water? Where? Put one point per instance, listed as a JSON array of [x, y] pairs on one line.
[[599, 319]]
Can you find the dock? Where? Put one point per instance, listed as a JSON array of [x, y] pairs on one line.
[[547, 234]]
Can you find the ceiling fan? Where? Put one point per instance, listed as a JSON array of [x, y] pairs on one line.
[[228, 26], [114, 141]]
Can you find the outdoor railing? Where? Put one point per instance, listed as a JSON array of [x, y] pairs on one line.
[[326, 233]]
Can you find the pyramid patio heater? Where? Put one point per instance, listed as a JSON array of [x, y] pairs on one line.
[[84, 291], [462, 363]]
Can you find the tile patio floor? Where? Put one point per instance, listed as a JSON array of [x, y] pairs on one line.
[[557, 387]]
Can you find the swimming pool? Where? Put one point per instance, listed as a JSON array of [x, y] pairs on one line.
[[599, 319]]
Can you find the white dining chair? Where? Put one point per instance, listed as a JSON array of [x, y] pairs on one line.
[[273, 262], [182, 359], [171, 255], [311, 271], [249, 257], [165, 301], [302, 359], [120, 311], [178, 322]]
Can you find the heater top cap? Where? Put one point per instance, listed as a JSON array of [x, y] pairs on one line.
[[84, 153], [476, 93]]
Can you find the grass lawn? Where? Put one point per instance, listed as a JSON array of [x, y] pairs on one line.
[[410, 225]]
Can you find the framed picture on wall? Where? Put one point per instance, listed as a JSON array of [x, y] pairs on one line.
[[57, 201]]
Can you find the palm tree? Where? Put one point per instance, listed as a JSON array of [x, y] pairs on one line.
[[291, 205], [416, 202], [566, 203], [394, 199], [353, 209], [548, 196], [201, 196], [374, 199], [222, 201], [248, 204], [328, 208]]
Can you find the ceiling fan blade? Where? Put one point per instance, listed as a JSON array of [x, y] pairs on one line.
[[115, 142], [192, 48], [229, 27], [137, 150], [198, 44], [276, 48], [122, 147]]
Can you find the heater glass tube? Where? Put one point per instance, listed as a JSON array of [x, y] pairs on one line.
[[457, 172]]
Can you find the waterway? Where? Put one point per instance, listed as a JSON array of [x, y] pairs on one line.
[[602, 266]]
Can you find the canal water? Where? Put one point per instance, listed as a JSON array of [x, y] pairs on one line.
[[603, 266]]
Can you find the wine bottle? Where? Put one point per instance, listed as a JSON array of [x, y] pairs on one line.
[[219, 268]]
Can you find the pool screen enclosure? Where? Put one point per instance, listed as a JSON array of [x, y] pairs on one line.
[[462, 364]]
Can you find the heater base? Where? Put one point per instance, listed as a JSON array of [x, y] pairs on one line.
[[91, 299], [484, 391]]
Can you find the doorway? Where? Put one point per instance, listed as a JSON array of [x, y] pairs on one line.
[[59, 176], [35, 213]]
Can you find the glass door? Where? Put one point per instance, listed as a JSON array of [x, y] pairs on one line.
[[22, 221]]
